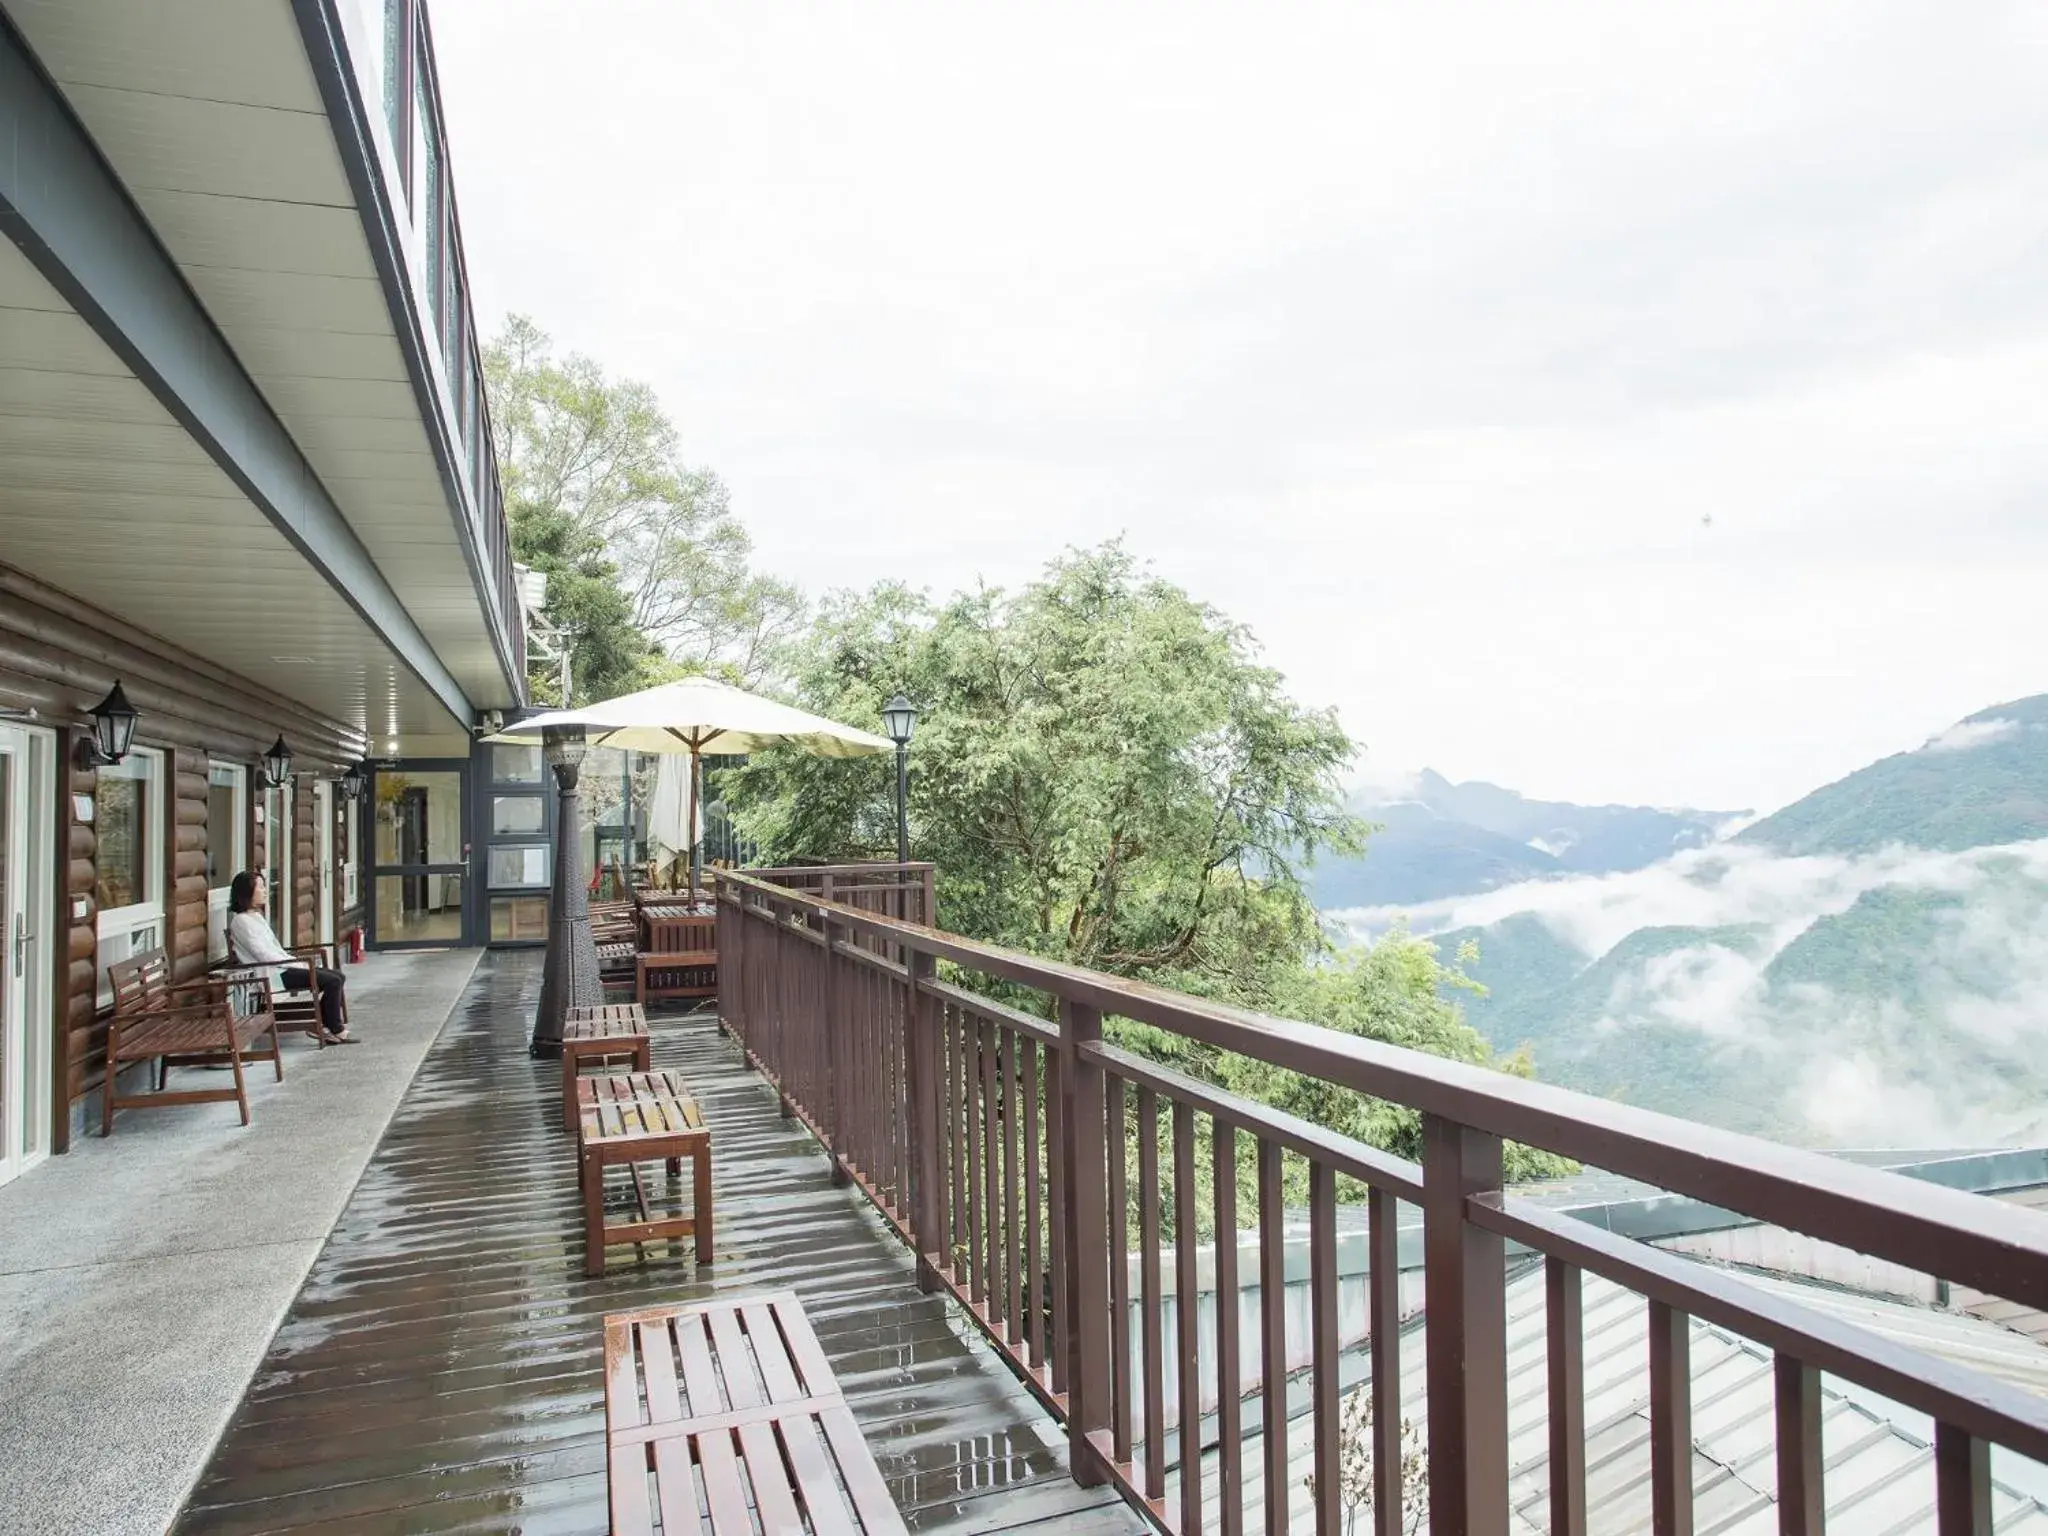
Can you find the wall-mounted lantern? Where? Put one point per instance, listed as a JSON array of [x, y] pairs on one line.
[[351, 783], [113, 729], [277, 764]]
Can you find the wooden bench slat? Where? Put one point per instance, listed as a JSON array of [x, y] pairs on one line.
[[773, 1497], [658, 1374], [675, 1487], [864, 1483], [632, 1514], [804, 1349]]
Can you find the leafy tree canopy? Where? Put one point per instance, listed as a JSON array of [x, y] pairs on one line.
[[1104, 772], [599, 496]]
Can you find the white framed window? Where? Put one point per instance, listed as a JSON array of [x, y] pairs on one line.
[[227, 847], [128, 825]]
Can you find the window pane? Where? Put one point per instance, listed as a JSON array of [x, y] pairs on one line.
[[121, 822], [431, 210], [519, 919], [518, 813], [520, 866], [419, 909], [394, 75], [419, 818], [223, 825], [515, 765]]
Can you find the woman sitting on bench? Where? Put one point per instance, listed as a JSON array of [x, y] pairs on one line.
[[251, 942]]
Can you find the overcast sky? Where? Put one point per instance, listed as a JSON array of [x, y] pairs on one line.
[[1629, 402]]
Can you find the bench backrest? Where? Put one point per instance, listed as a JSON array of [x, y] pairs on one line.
[[140, 982], [682, 935]]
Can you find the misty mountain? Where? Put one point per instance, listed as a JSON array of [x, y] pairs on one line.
[[1982, 781], [1868, 966], [1442, 839]]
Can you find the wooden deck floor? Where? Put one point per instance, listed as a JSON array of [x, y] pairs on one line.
[[440, 1370]]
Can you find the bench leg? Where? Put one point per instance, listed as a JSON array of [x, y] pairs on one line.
[[235, 1061], [700, 1203], [107, 1087], [643, 1056], [593, 1214], [569, 1089]]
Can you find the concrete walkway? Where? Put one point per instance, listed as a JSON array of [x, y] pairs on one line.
[[141, 1277]]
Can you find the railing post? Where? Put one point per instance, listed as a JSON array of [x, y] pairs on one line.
[[1087, 1216], [921, 1066], [829, 1109], [1465, 1283]]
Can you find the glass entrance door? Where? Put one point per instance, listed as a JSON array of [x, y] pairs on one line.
[[26, 814], [419, 854]]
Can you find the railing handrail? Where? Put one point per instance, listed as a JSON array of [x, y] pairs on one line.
[[1964, 1238]]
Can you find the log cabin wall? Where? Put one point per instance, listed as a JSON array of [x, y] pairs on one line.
[[305, 865], [58, 657], [185, 865]]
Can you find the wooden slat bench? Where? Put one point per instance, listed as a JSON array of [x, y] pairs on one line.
[[207, 1023], [609, 1033], [679, 955], [297, 1012], [634, 1118], [738, 1394]]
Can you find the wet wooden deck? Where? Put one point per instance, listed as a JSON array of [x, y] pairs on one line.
[[440, 1371]]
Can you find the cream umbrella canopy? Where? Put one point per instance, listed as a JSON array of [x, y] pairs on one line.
[[696, 715]]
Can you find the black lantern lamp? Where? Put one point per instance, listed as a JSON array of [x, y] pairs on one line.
[[113, 728], [899, 719], [351, 783], [277, 764], [563, 746]]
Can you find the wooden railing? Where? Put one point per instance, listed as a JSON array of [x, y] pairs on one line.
[[998, 1144], [888, 890]]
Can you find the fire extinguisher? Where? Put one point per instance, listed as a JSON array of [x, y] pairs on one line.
[[355, 946]]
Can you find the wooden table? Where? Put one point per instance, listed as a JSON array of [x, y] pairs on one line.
[[707, 1389], [608, 1033], [630, 1119]]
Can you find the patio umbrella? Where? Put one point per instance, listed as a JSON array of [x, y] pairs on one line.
[[697, 715], [671, 829]]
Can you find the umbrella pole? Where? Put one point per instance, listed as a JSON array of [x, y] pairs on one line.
[[690, 831]]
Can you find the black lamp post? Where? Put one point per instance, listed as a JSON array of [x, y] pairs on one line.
[[113, 728], [899, 719], [569, 975], [277, 764]]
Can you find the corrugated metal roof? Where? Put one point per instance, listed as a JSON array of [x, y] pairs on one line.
[[1879, 1455]]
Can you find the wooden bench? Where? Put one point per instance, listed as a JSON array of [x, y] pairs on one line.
[[207, 1023], [711, 1390], [634, 1118], [297, 1012], [679, 956], [609, 1033]]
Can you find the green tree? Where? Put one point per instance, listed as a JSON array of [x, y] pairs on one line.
[[1104, 771], [595, 464]]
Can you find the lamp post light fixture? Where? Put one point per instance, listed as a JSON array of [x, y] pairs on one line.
[[569, 973], [277, 764], [113, 728], [899, 719], [351, 783]]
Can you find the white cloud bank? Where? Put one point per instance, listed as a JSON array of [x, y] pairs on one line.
[[1950, 1048]]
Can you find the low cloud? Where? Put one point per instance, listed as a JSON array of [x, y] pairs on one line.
[[1965, 734], [1943, 1048]]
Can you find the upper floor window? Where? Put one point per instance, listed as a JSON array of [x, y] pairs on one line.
[[433, 206], [397, 70]]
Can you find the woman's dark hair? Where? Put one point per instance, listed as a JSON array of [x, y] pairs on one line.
[[242, 891]]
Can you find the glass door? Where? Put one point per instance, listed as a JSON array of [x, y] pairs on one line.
[[323, 859], [26, 814], [419, 854]]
